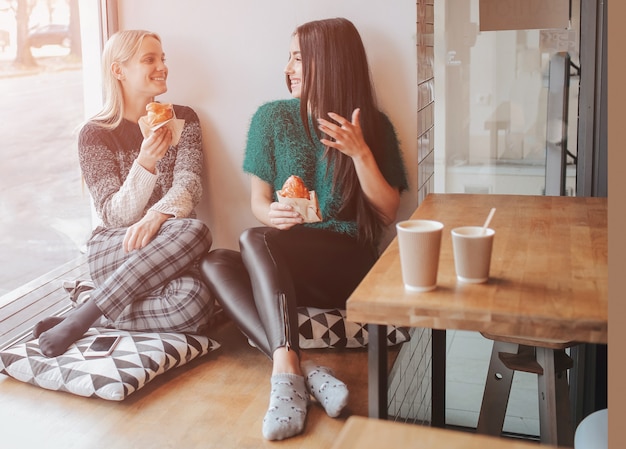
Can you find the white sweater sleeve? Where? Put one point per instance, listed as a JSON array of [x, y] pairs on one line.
[[127, 205]]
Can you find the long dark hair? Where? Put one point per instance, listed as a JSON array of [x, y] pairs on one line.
[[336, 78]]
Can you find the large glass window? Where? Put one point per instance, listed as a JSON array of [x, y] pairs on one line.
[[45, 214], [504, 100]]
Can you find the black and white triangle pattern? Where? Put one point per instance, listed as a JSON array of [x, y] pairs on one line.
[[137, 359], [329, 328]]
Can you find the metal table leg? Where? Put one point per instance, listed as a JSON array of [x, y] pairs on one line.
[[438, 348], [377, 371]]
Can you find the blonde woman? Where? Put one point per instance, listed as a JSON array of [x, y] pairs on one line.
[[143, 256]]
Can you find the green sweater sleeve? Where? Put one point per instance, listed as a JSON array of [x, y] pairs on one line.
[[260, 158]]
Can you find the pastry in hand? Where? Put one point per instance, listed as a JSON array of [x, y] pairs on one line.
[[303, 200], [294, 188], [159, 113]]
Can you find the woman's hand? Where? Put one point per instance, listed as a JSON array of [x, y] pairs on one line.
[[283, 216], [348, 138], [268, 211], [347, 135], [154, 148], [141, 233]]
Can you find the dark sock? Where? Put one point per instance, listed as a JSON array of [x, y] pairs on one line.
[[55, 340], [45, 324]]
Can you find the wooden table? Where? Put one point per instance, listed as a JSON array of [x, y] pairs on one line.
[[364, 433], [548, 279]]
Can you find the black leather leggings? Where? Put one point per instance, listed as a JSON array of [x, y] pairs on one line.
[[261, 287]]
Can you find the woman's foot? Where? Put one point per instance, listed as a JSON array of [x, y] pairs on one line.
[[286, 414], [45, 324], [55, 340], [329, 391]]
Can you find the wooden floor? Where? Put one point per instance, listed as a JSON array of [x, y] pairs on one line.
[[217, 401]]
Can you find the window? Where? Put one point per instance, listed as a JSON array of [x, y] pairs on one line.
[[504, 100], [45, 211]]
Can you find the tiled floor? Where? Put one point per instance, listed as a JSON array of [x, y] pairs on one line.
[[467, 364]]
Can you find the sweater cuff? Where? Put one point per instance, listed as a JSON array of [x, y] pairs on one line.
[[143, 176]]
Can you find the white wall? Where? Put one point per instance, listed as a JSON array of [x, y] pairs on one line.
[[227, 58]]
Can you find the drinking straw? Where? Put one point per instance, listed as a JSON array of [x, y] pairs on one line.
[[488, 220]]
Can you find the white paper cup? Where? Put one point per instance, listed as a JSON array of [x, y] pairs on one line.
[[472, 253], [419, 242]]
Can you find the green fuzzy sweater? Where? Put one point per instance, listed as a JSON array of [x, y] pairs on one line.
[[278, 147]]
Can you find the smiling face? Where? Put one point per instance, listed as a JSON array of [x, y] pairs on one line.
[[145, 74], [293, 70]]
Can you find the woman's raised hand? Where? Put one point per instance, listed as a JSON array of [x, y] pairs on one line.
[[348, 138], [154, 147], [347, 135]]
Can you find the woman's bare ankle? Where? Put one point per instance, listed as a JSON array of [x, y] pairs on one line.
[[286, 361]]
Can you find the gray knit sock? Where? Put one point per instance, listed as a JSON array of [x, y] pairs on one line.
[[287, 411], [329, 391]]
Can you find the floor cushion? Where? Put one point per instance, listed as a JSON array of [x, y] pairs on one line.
[[329, 328], [318, 328], [137, 359]]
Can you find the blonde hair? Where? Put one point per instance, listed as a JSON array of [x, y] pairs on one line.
[[120, 48]]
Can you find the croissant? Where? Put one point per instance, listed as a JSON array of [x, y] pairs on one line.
[[159, 112], [294, 188]]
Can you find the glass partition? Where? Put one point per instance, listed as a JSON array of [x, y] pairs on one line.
[[505, 101]]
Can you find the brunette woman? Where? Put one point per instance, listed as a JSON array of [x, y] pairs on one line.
[[334, 137]]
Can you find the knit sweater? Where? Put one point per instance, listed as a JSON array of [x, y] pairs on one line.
[[278, 147], [122, 190]]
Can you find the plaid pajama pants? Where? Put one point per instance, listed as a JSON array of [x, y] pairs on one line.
[[156, 288]]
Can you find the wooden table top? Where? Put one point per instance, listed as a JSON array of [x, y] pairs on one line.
[[548, 278], [366, 433]]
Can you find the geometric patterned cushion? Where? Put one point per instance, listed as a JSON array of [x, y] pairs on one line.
[[137, 359], [329, 328]]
